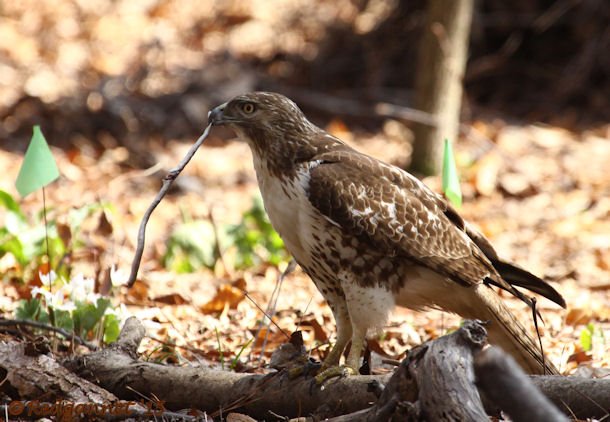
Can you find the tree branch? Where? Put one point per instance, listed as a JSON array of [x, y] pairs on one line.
[[168, 180]]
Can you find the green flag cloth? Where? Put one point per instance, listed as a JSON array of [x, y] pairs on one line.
[[451, 181], [38, 168]]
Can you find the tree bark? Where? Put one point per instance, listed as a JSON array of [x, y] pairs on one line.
[[440, 69], [507, 386], [29, 376]]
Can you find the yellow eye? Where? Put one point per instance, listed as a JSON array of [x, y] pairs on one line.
[[248, 108]]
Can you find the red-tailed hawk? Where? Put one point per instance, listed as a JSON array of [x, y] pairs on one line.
[[371, 236]]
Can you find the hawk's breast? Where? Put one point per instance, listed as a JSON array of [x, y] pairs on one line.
[[290, 212], [321, 246]]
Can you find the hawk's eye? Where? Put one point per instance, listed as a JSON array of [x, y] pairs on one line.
[[248, 108]]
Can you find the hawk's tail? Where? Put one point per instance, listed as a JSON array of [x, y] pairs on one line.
[[506, 331], [522, 278]]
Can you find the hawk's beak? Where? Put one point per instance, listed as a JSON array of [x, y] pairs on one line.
[[216, 114]]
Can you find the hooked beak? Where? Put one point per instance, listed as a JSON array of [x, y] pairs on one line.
[[215, 116]]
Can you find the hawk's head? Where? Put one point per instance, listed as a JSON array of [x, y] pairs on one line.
[[275, 128]]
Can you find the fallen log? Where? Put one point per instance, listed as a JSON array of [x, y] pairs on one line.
[[416, 390], [507, 386]]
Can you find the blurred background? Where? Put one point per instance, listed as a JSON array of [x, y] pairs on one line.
[[121, 88], [123, 71]]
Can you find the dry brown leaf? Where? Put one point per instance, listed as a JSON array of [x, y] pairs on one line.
[[171, 299], [486, 174], [579, 356], [339, 129], [138, 293], [273, 339], [260, 339], [375, 346], [64, 233], [516, 184], [103, 283], [24, 291], [239, 417], [602, 258], [320, 333], [599, 287], [484, 128], [576, 316], [227, 295], [104, 227]]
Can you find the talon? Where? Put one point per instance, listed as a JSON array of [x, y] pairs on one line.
[[309, 367], [340, 371]]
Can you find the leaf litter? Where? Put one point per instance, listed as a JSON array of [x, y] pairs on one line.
[[559, 229]]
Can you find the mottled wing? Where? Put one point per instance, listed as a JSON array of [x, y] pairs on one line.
[[396, 214]]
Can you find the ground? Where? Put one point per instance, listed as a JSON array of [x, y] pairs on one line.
[[539, 193]]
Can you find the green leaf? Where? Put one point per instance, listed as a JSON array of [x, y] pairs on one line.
[[10, 204], [255, 239], [31, 310], [111, 328], [191, 246], [13, 245], [586, 337], [451, 181], [220, 352], [77, 216], [235, 361], [15, 223], [38, 168], [86, 316], [63, 319], [28, 309]]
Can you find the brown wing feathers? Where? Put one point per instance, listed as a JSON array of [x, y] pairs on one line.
[[466, 262]]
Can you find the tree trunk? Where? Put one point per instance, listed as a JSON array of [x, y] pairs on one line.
[[441, 63]]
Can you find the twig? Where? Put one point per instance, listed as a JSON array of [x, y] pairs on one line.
[[272, 306], [168, 180], [35, 324], [265, 313], [217, 249]]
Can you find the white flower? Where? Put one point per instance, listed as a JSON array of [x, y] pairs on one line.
[[121, 312], [44, 278], [82, 289], [118, 277], [56, 300]]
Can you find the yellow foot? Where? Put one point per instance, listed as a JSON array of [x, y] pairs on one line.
[[333, 372], [309, 367]]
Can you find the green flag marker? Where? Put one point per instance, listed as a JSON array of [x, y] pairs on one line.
[[451, 181], [38, 168]]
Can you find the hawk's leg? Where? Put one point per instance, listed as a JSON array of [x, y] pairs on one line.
[[353, 359], [355, 352], [330, 367], [368, 308], [344, 332]]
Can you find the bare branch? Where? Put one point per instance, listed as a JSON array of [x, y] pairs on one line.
[[168, 180]]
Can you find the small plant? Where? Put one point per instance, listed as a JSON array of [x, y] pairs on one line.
[[256, 240], [192, 245], [592, 338], [196, 244], [73, 306], [25, 241]]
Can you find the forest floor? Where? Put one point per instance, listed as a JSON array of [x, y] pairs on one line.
[[541, 195]]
